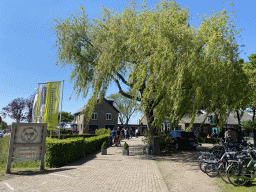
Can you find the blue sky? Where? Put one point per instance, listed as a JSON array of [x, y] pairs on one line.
[[27, 55]]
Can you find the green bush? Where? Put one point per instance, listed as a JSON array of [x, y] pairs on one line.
[[212, 140], [201, 139], [57, 153], [102, 131], [165, 141], [126, 146], [65, 136], [65, 151], [104, 145]]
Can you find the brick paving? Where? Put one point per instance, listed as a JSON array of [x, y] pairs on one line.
[[113, 172]]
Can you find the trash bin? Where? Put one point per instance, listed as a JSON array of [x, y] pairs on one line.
[[148, 150]]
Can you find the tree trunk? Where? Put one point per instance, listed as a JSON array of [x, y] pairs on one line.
[[238, 119], [150, 119], [254, 130]]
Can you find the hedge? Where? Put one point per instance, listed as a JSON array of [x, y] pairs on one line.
[[62, 152]]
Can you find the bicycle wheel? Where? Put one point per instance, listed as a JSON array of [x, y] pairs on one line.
[[202, 166], [211, 169], [232, 174], [200, 159], [223, 173]]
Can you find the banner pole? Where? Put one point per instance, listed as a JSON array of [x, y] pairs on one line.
[[61, 105]]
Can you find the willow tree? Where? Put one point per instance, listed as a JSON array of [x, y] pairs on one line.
[[250, 70], [125, 106], [170, 67]]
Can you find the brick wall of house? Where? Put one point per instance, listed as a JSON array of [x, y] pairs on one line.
[[80, 122], [144, 120], [101, 121]]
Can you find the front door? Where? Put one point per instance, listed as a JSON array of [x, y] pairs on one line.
[[110, 126], [92, 128]]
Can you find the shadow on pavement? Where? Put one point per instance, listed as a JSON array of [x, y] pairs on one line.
[[185, 155], [47, 171]]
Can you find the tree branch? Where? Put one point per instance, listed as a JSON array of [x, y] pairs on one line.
[[123, 80], [122, 92]]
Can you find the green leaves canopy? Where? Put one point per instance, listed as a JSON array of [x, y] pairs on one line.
[[170, 67]]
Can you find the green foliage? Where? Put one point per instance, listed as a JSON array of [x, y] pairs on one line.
[[4, 147], [252, 59], [58, 152], [65, 136], [62, 152], [104, 145], [65, 118], [146, 139], [126, 146], [102, 131], [170, 67], [165, 141], [125, 106], [3, 125], [248, 126], [212, 140]]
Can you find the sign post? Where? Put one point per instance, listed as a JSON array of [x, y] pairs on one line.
[[27, 143]]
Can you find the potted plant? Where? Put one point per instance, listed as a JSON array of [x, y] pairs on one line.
[[126, 149], [104, 147]]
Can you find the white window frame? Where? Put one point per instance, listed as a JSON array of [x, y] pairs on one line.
[[93, 115], [107, 115]]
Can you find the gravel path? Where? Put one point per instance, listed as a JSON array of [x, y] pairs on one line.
[[182, 173]]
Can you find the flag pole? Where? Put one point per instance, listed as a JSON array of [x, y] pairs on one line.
[[61, 106]]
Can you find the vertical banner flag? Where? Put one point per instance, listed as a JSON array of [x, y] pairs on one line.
[[37, 107], [42, 96], [52, 105], [34, 108]]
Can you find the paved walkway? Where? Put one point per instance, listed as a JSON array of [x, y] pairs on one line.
[[112, 172]]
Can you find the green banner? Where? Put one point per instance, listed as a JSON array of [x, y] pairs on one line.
[[51, 109]]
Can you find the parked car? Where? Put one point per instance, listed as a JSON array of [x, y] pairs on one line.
[[184, 139], [1, 134]]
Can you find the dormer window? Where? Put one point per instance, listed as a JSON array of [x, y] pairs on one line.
[[94, 116], [108, 116]]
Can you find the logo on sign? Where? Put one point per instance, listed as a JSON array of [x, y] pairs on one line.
[[29, 134]]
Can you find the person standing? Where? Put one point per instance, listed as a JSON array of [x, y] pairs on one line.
[[128, 133], [122, 132], [227, 135], [118, 131], [136, 132], [125, 133]]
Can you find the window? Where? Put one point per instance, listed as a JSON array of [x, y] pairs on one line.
[[79, 117], [94, 116], [108, 116]]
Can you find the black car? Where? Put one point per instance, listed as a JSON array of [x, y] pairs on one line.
[[184, 139]]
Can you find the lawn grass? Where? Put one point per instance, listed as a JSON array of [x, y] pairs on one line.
[[231, 188]]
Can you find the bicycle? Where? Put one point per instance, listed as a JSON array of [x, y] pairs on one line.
[[240, 171]]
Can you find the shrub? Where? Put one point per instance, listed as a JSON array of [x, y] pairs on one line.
[[165, 141], [126, 146], [104, 145], [146, 139], [201, 140], [212, 140], [102, 131]]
